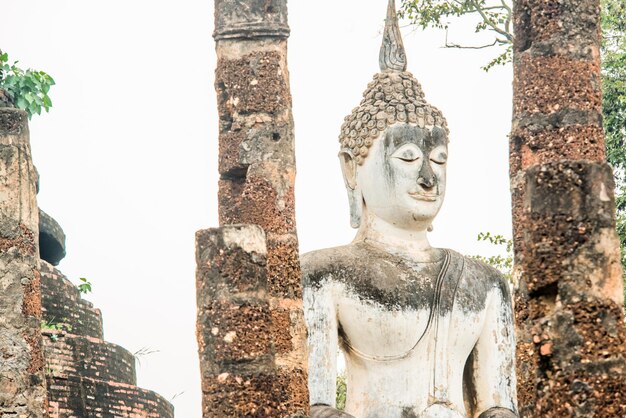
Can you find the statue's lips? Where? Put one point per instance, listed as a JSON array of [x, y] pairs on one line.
[[425, 197]]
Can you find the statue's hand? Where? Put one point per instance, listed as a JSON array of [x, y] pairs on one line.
[[498, 413], [325, 411]]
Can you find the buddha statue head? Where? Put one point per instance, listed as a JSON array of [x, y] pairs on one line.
[[394, 145]]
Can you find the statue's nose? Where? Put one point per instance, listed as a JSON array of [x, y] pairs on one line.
[[426, 177]]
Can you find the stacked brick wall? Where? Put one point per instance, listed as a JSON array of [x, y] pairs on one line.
[[77, 396], [87, 376], [63, 305], [68, 354]]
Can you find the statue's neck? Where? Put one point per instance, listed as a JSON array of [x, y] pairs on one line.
[[412, 244]]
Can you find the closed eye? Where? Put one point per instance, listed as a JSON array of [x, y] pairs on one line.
[[439, 158], [408, 153]]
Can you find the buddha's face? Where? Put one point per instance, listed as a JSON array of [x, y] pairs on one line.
[[403, 178]]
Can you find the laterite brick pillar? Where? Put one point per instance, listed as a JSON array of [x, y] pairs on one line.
[[256, 188], [22, 382], [571, 336], [242, 340]]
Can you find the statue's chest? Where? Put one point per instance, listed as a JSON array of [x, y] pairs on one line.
[[399, 320], [385, 321], [379, 331]]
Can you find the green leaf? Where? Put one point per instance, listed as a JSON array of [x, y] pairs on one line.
[[28, 89], [21, 103]]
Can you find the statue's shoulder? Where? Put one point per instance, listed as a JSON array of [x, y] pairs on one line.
[[326, 263], [319, 264], [480, 274]]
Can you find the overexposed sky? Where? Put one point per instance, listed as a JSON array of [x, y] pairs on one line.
[[128, 154]]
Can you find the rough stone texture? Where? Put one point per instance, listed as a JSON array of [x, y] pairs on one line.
[[542, 145], [63, 305], [261, 305], [51, 239], [68, 354], [86, 376], [22, 383], [273, 394], [5, 99], [257, 163], [76, 396], [244, 19], [245, 336], [568, 84], [571, 352]]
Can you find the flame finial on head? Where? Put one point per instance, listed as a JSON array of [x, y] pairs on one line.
[[392, 56], [393, 96]]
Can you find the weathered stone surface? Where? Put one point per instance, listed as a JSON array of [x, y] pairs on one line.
[[567, 84], [22, 384], [64, 306], [569, 29], [76, 396], [252, 324], [571, 340], [563, 221], [256, 201], [249, 19], [5, 99], [68, 354], [51, 239], [257, 163], [272, 394], [245, 335], [86, 376], [553, 144]]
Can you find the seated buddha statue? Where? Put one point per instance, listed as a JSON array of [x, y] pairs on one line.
[[425, 332]]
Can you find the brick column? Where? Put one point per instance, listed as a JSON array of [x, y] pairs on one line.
[[571, 339], [22, 383], [242, 336], [256, 187]]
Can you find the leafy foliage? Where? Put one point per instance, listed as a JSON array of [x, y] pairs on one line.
[[85, 286], [51, 325], [502, 59], [614, 105], [342, 388], [27, 89], [502, 263], [492, 17]]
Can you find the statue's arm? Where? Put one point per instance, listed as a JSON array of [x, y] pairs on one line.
[[321, 320], [493, 358]]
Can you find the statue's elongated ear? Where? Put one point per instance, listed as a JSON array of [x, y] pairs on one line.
[[348, 168]]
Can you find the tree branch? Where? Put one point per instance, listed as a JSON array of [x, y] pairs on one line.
[[507, 7], [449, 45], [490, 23]]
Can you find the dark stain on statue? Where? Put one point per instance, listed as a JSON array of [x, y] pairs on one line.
[[393, 282], [408, 413]]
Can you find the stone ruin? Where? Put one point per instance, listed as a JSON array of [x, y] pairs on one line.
[[571, 341], [55, 361], [86, 376]]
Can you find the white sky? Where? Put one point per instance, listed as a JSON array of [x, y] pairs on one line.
[[128, 154]]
